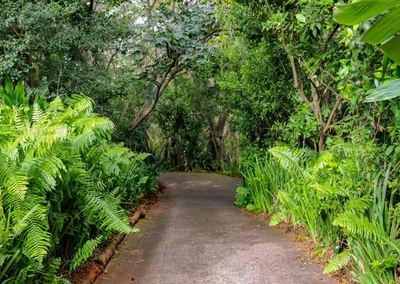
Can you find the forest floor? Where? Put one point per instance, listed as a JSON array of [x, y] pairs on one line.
[[194, 234]]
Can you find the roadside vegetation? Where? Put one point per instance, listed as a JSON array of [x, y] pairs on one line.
[[297, 97]]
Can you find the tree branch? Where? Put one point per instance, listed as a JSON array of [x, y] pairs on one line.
[[163, 84], [332, 114], [112, 58], [297, 86]]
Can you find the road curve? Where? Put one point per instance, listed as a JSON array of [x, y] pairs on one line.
[[195, 234]]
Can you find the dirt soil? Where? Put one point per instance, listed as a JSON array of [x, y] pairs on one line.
[[194, 234]]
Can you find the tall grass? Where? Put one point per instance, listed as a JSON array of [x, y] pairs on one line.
[[263, 178], [343, 198]]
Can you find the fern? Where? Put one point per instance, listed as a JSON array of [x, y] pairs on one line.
[[357, 225], [37, 238], [91, 130], [38, 114], [82, 105], [360, 205], [59, 173], [339, 262], [12, 180], [44, 171], [278, 217], [50, 275], [84, 252], [326, 190], [108, 211], [290, 160]]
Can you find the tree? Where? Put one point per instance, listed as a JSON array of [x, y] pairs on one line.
[[173, 40]]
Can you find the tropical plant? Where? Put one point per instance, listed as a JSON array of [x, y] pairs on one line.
[[58, 197], [263, 179], [383, 33]]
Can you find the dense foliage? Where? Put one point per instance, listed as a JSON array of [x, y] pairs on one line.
[[274, 90], [347, 195], [62, 184]]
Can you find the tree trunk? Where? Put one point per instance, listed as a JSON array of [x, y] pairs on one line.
[[322, 141], [163, 84]]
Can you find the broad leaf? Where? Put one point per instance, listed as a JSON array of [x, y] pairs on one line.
[[355, 13], [385, 92], [391, 49], [301, 18], [384, 28]]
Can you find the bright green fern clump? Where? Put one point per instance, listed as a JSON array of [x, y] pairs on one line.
[[62, 184]]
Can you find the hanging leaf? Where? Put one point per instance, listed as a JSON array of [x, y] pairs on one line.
[[391, 49], [355, 13], [385, 92], [383, 32], [384, 28]]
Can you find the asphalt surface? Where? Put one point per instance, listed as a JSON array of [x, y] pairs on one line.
[[194, 234]]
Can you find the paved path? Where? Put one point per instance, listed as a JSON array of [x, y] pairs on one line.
[[195, 234]]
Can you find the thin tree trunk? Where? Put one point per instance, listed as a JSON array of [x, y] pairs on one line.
[[169, 76]]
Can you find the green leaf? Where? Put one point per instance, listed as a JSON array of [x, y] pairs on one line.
[[384, 28], [8, 86], [385, 92], [301, 18], [355, 13], [338, 262], [389, 150], [391, 48]]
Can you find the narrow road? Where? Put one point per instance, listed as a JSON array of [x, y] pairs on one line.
[[195, 234]]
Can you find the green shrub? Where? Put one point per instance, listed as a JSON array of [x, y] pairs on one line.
[[62, 183]]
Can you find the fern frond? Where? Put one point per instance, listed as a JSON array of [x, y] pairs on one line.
[[278, 218], [38, 115], [50, 275], [360, 205], [327, 190], [45, 136], [290, 160], [34, 229], [38, 241], [357, 225], [84, 252], [12, 180], [339, 262], [55, 108], [81, 104], [44, 170], [90, 130], [139, 157], [107, 210]]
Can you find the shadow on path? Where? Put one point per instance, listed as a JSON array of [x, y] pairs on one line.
[[194, 234]]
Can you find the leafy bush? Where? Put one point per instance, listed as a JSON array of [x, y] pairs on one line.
[[62, 183], [344, 198]]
